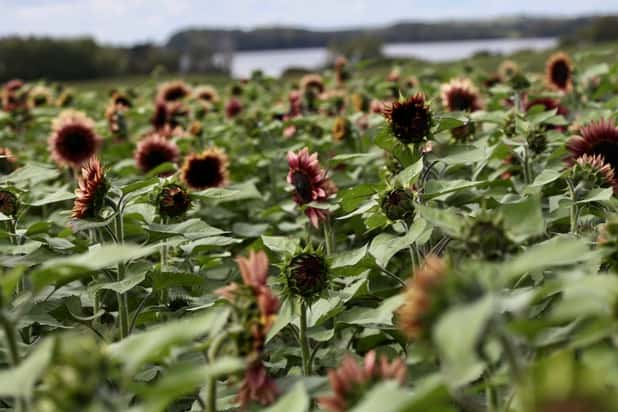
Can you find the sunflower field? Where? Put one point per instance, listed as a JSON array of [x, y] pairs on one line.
[[436, 240]]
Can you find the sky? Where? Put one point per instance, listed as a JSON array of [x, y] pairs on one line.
[[125, 22]]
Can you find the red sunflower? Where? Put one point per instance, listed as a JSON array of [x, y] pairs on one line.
[[73, 139], [311, 184], [596, 139]]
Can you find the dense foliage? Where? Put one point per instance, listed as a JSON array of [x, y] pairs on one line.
[[421, 241]]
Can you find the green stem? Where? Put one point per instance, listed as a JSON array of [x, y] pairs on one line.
[[164, 260], [328, 236], [10, 335], [574, 211], [123, 305], [513, 356], [211, 384], [304, 340]]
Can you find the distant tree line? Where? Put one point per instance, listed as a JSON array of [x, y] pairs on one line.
[[201, 50], [78, 58]]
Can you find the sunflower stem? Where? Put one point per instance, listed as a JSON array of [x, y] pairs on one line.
[[574, 211], [211, 384], [164, 260], [304, 340], [123, 309], [10, 335], [328, 236]]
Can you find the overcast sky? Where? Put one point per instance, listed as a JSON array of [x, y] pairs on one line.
[[129, 21]]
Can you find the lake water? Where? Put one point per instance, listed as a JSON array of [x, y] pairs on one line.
[[274, 62]]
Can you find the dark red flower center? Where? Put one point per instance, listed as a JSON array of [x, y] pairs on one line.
[[76, 143], [155, 156], [461, 101], [609, 151], [560, 73], [203, 173], [302, 183], [174, 93]]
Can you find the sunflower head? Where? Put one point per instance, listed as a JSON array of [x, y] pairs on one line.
[[596, 139], [460, 95], [233, 107], [91, 191], [173, 91], [8, 163], [351, 380], [537, 141], [342, 128], [207, 94], [559, 72], [9, 202], [153, 151], [416, 314], [39, 96], [507, 69], [398, 204], [306, 274], [591, 172], [73, 139], [207, 169], [486, 238], [410, 120], [173, 201]]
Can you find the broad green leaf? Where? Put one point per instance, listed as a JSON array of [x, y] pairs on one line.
[[457, 344], [281, 244], [385, 245], [296, 400], [20, 381]]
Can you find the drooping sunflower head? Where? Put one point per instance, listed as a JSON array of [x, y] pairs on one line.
[[73, 139], [342, 128], [155, 150], [9, 202], [596, 139], [461, 95], [173, 91], [559, 72], [410, 120], [91, 191], [8, 163], [207, 169], [398, 204], [414, 315], [487, 238], [173, 200]]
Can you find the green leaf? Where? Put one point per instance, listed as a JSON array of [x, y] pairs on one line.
[[410, 174], [58, 196], [31, 173], [446, 219], [191, 229], [296, 400], [281, 244], [385, 245], [349, 257], [558, 251], [62, 270], [524, 219], [457, 344], [20, 381], [157, 343]]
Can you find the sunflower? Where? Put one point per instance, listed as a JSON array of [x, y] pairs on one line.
[[460, 95], [14, 95], [593, 169], [207, 94], [39, 96], [173, 201], [412, 315], [410, 120], [306, 274], [208, 169], [312, 82], [153, 151], [73, 139], [559, 72], [350, 381], [173, 91], [342, 128], [597, 138], [233, 107], [310, 182], [90, 195], [9, 203], [8, 163]]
